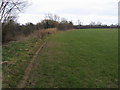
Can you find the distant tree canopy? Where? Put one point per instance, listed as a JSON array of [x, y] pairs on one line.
[[64, 24], [53, 21], [47, 23], [11, 28], [9, 10]]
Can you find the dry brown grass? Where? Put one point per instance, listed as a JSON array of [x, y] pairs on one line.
[[38, 34], [42, 33]]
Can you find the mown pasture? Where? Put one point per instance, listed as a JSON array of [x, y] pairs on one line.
[[85, 58]]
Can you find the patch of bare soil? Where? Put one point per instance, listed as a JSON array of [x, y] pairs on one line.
[[22, 83]]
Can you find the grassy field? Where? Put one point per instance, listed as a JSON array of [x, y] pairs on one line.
[[18, 55], [85, 58]]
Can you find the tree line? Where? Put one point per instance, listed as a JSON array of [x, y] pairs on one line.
[[11, 28], [94, 25], [9, 9]]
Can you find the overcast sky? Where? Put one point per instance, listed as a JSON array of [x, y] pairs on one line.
[[105, 11]]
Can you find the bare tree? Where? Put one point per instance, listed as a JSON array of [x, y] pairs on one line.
[[49, 16], [56, 18], [10, 8], [99, 23], [53, 17], [92, 23], [64, 20], [79, 22]]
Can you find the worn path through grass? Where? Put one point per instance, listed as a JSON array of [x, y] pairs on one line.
[[84, 58], [18, 56]]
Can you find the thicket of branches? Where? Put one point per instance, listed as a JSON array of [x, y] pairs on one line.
[[9, 10], [12, 29]]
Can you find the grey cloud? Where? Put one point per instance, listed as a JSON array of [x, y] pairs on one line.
[[88, 11]]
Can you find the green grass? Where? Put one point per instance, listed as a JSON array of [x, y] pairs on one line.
[[86, 58], [18, 54]]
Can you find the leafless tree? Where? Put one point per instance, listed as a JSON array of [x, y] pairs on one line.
[[56, 18], [10, 8], [79, 22], [49, 16], [99, 23], [53, 17], [92, 23]]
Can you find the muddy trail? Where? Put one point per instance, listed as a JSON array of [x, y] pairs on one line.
[[28, 70]]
